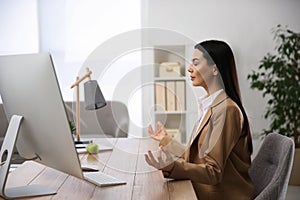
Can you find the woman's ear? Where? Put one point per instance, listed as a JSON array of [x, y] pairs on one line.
[[215, 70]]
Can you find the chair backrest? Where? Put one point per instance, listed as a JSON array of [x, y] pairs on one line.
[[114, 119], [271, 168], [3, 124], [109, 121]]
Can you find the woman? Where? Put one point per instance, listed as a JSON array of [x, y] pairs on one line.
[[217, 157]]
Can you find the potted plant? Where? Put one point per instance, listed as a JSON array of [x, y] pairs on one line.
[[73, 128], [278, 77]]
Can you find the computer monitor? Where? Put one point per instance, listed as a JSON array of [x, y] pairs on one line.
[[29, 88]]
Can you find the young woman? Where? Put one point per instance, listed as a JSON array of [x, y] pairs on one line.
[[217, 157]]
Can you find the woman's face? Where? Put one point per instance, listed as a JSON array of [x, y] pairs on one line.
[[201, 72]]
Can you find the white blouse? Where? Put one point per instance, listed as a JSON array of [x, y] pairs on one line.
[[204, 102]]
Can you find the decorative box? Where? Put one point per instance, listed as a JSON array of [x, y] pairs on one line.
[[169, 69], [174, 133]]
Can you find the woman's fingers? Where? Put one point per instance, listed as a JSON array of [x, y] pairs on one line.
[[150, 130], [150, 154], [159, 156], [148, 160], [151, 160], [159, 126], [159, 161]]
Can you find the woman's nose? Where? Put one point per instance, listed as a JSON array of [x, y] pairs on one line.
[[190, 69]]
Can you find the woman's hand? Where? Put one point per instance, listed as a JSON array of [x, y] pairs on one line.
[[160, 162], [159, 133]]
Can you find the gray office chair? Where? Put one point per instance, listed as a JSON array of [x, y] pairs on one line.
[[271, 168], [114, 119], [109, 121], [3, 124]]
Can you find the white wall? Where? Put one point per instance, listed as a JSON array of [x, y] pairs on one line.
[[71, 30], [245, 25], [18, 27]]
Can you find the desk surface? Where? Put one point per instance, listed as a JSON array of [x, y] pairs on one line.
[[126, 161]]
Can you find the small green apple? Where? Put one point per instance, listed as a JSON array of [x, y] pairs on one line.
[[92, 148]]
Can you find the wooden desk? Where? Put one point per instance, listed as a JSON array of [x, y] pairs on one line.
[[126, 161]]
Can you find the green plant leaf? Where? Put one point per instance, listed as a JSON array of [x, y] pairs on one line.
[[278, 77]]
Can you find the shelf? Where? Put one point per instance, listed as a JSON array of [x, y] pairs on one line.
[[169, 78], [179, 112], [172, 53], [170, 115]]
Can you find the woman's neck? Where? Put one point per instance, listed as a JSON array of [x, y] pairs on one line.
[[213, 88]]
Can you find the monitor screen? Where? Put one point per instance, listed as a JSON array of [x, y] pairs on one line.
[[29, 88]]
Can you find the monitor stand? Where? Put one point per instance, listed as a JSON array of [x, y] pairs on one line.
[[6, 157]]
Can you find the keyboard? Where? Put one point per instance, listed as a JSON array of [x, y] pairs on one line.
[[102, 179]]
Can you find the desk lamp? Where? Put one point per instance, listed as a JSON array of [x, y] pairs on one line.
[[93, 98]]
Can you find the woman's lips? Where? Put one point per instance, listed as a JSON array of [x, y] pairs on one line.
[[192, 78]]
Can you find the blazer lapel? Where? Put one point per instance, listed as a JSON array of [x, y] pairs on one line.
[[203, 123], [219, 99]]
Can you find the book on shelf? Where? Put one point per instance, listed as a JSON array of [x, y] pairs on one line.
[[170, 96], [180, 95], [160, 96], [170, 93]]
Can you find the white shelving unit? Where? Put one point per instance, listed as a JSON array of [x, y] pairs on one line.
[[184, 118]]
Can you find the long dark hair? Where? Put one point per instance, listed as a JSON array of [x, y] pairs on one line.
[[220, 53]]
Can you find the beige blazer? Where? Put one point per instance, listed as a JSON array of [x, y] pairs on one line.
[[217, 160]]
